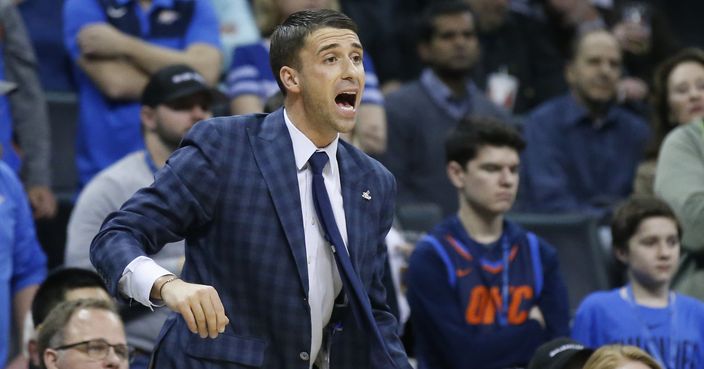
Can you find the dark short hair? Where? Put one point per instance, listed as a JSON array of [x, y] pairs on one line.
[[576, 42], [632, 212], [53, 290], [51, 331], [426, 28], [661, 123], [289, 38], [473, 133]]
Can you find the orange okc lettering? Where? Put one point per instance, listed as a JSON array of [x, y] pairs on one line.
[[483, 303]]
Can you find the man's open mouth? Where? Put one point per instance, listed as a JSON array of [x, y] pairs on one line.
[[346, 100]]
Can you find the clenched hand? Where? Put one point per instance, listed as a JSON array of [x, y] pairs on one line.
[[199, 305]]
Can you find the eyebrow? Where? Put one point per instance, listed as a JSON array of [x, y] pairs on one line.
[[355, 45]]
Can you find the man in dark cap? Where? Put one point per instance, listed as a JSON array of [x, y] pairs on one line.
[[560, 353]]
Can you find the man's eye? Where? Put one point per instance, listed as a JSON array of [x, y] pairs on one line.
[[331, 59]]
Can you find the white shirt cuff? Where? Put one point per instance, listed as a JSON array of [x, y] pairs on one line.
[[139, 277]]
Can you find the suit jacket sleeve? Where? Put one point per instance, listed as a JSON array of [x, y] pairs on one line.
[[180, 201]]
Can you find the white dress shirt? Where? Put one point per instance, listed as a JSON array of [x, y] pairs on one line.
[[323, 278]]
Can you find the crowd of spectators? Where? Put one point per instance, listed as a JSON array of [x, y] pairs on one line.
[[573, 106]]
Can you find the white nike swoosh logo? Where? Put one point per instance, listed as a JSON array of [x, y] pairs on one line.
[[116, 12]]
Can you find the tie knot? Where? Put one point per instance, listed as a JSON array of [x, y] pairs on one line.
[[317, 162]]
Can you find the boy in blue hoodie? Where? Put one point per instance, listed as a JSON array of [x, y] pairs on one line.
[[483, 292]]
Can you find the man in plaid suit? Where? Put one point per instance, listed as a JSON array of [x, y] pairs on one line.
[[259, 278]]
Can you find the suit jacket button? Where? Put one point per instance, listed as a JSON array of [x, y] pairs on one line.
[[304, 356]]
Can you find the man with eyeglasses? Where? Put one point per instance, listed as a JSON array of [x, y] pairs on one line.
[[83, 334]]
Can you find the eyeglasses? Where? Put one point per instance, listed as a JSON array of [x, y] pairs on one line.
[[99, 349]]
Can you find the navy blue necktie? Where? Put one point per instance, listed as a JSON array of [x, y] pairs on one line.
[[352, 285]]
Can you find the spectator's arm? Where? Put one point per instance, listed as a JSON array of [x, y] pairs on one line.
[[115, 78], [204, 58], [27, 104], [679, 180], [437, 315], [553, 301], [202, 50], [21, 304], [584, 325]]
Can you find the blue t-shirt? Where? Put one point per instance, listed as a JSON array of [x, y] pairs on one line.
[[7, 152], [250, 74], [22, 261], [108, 130], [608, 317]]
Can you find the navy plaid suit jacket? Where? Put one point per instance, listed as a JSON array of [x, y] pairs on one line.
[[231, 191]]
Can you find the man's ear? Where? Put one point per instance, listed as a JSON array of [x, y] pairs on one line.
[[289, 78], [148, 116], [455, 173], [621, 254], [50, 358], [569, 72], [33, 350], [423, 50]]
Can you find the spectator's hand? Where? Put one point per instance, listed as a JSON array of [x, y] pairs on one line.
[[632, 89], [537, 315], [633, 37], [101, 40], [199, 305], [43, 202], [20, 362]]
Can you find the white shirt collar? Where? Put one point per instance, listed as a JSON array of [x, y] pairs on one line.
[[303, 147]]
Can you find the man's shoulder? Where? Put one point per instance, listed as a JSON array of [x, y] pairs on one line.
[[551, 106], [412, 90]]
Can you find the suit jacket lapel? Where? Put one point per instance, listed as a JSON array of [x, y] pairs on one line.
[[351, 175], [273, 151]]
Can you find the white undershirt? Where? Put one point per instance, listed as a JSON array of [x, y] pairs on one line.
[[323, 278]]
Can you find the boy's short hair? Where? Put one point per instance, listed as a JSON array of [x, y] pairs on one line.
[[54, 288], [473, 133], [632, 212]]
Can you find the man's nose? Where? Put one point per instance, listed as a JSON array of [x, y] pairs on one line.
[[198, 112], [115, 361], [352, 69]]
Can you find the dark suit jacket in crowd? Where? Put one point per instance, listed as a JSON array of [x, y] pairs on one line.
[[231, 190]]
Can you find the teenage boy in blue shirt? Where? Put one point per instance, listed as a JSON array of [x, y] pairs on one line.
[[645, 312]]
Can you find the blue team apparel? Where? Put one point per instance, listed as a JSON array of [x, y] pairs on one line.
[[108, 130], [465, 294], [673, 334], [7, 152], [22, 261], [250, 74]]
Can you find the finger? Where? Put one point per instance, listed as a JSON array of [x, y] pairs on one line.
[[199, 315], [222, 320], [211, 319], [187, 315]]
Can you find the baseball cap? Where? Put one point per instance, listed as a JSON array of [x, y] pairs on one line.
[[558, 353], [173, 82]]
